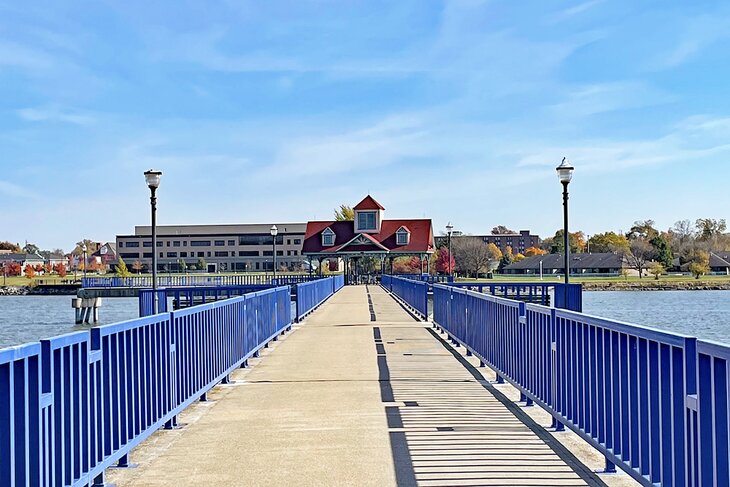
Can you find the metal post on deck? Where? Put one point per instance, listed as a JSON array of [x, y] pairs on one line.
[[152, 178], [565, 174]]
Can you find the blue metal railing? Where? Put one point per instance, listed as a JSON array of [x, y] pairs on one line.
[[413, 293], [312, 294], [74, 405], [193, 280], [532, 292], [429, 278], [630, 391], [189, 296]]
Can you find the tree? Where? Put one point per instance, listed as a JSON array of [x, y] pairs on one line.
[[15, 248], [507, 258], [502, 230], [60, 269], [47, 268], [12, 269], [137, 266], [182, 267], [30, 248], [639, 254], [576, 241], [122, 270], [642, 229], [344, 213], [700, 264], [519, 257], [656, 269], [608, 242], [443, 262], [29, 271], [407, 265], [473, 256], [710, 232], [531, 251], [201, 265], [663, 252]]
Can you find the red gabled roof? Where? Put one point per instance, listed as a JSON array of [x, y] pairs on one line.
[[421, 240], [368, 203]]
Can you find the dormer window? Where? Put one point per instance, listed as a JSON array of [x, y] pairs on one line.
[[328, 237], [367, 220], [402, 236]]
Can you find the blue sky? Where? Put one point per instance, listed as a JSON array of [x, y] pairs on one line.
[[281, 110]]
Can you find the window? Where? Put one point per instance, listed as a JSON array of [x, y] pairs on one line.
[[248, 253], [328, 238], [280, 253], [366, 220], [176, 243], [129, 255], [297, 241], [162, 254], [132, 244], [267, 253], [200, 243], [259, 239], [171, 254], [221, 253], [201, 254], [147, 243], [231, 242], [258, 266], [185, 243], [402, 236], [183, 254], [220, 243], [148, 255], [208, 254], [121, 244], [288, 241], [168, 243]]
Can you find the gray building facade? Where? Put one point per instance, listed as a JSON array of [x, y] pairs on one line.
[[224, 248]]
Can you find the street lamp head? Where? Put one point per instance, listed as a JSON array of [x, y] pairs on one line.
[[274, 231], [152, 178], [565, 171], [83, 248], [449, 228]]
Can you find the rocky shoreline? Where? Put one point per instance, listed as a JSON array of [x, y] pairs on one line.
[[41, 291], [653, 285]]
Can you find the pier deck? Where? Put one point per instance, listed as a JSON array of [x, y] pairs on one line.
[[361, 394]]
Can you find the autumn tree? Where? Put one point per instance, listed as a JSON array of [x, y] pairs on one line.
[[473, 256], [137, 266], [576, 241], [15, 248], [531, 251], [519, 257], [656, 269], [122, 270], [29, 271], [608, 242], [700, 264], [344, 213], [443, 262], [507, 258], [12, 269], [47, 268], [60, 269]]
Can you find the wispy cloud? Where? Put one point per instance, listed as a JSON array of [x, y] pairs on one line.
[[587, 100], [698, 34], [16, 191], [55, 114]]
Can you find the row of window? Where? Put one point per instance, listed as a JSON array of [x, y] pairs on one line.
[[220, 253], [243, 240]]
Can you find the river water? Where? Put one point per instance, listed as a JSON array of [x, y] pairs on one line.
[[705, 314]]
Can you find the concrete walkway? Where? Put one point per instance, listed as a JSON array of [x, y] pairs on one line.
[[361, 395]]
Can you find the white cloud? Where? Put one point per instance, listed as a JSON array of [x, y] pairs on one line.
[[54, 114]]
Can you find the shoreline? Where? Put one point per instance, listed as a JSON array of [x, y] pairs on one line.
[[654, 285]]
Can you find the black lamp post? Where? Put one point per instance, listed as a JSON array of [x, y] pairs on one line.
[[565, 174], [274, 233], [152, 178], [83, 250], [449, 229]]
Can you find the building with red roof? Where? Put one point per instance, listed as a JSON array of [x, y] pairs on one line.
[[369, 235]]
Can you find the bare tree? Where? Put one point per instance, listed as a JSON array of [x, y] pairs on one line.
[[472, 255], [502, 230], [640, 253]]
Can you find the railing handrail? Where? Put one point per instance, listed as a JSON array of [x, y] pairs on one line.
[[653, 402]]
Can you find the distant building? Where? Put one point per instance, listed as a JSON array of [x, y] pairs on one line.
[[720, 262], [22, 258], [107, 254], [518, 241], [600, 263], [244, 247]]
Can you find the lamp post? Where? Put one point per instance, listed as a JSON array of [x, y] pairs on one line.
[[83, 250], [274, 233], [449, 229], [565, 174], [152, 178]]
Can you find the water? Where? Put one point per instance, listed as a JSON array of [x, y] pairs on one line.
[[29, 318], [704, 314]]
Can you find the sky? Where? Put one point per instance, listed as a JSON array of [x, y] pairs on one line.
[[280, 111]]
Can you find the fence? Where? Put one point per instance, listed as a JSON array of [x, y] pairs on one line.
[[429, 278], [413, 293], [631, 392], [311, 294], [189, 296], [74, 405], [193, 280], [546, 294]]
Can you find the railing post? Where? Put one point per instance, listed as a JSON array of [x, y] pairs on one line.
[[554, 368]]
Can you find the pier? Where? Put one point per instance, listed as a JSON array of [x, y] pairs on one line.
[[365, 385]]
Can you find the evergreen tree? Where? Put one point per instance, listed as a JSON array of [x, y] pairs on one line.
[[122, 270], [663, 250]]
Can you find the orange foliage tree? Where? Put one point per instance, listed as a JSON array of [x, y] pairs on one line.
[[29, 271]]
